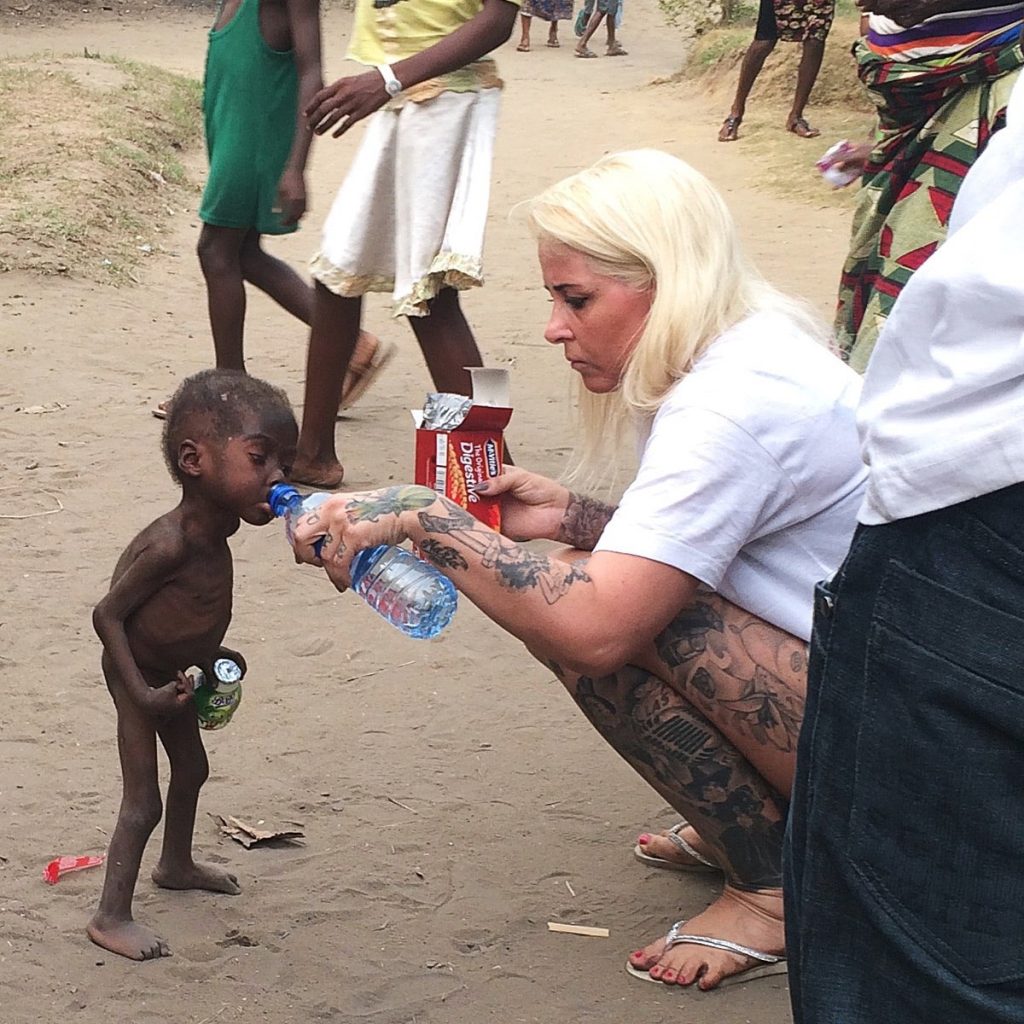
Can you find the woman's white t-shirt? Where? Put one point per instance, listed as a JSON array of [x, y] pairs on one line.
[[750, 474]]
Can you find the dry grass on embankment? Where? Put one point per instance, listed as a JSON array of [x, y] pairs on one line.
[[839, 104], [91, 154]]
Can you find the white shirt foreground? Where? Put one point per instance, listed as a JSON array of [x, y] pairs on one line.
[[942, 417], [750, 477]]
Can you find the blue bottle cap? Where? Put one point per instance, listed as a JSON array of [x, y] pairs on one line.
[[283, 497]]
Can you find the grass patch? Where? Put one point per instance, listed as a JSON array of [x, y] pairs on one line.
[[91, 161]]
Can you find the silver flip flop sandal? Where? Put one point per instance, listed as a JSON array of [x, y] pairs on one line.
[[701, 863], [766, 964]]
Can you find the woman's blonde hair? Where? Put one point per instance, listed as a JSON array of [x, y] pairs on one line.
[[650, 220]]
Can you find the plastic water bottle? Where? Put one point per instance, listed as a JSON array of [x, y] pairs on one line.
[[217, 699], [411, 594]]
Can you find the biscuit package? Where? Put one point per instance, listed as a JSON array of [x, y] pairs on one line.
[[460, 442]]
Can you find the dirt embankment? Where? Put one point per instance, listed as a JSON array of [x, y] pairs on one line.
[[91, 162]]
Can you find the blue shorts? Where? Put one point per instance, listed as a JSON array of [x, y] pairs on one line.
[[905, 850]]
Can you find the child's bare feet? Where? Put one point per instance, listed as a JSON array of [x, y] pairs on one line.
[[752, 919], [127, 938], [197, 876], [325, 474]]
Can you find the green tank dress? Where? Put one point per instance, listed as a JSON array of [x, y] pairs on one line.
[[250, 92]]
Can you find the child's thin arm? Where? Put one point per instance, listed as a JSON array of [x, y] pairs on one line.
[[304, 20], [487, 31], [152, 568], [354, 98]]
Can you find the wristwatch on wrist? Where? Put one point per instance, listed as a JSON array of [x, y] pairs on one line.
[[392, 86]]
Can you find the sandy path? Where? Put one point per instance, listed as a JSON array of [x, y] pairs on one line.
[[453, 799]]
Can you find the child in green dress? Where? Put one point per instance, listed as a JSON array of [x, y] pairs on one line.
[[262, 68]]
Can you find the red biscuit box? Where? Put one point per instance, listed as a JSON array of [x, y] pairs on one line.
[[453, 460]]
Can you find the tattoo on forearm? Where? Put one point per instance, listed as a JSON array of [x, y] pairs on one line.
[[443, 555], [519, 569], [516, 568], [457, 519], [390, 501], [584, 522]]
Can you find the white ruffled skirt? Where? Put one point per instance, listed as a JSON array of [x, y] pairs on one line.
[[410, 216]]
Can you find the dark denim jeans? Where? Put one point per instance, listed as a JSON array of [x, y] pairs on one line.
[[905, 850]]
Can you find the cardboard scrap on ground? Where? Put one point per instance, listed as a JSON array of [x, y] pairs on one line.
[[250, 836], [44, 408], [578, 929]]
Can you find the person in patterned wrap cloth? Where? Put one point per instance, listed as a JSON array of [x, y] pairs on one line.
[[551, 11], [793, 21], [940, 73]]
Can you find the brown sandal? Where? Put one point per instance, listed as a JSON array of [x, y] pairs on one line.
[[370, 357], [799, 126], [730, 130]]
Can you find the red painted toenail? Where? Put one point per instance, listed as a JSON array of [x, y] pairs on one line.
[[643, 839]]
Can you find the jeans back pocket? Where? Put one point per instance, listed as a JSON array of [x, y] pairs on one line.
[[937, 813]]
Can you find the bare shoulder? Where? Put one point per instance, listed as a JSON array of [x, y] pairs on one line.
[[162, 544]]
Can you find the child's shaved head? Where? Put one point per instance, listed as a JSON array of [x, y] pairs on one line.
[[213, 403]]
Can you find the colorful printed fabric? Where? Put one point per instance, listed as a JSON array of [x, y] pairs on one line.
[[955, 34], [549, 10], [934, 118], [797, 20]]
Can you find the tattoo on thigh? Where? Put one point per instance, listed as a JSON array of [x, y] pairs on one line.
[[687, 636], [742, 673]]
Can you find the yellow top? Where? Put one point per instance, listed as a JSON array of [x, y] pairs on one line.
[[387, 31]]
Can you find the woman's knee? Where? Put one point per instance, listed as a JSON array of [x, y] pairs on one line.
[[568, 678]]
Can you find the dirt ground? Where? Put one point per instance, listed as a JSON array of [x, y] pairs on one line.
[[452, 798]]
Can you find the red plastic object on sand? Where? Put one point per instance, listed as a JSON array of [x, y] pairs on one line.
[[61, 866]]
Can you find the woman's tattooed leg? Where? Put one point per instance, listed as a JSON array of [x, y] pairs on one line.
[[745, 676], [688, 761]]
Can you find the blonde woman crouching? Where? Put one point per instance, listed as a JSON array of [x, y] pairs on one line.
[[682, 635]]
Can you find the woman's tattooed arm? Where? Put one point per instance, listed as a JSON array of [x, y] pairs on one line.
[[516, 568], [584, 522]]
